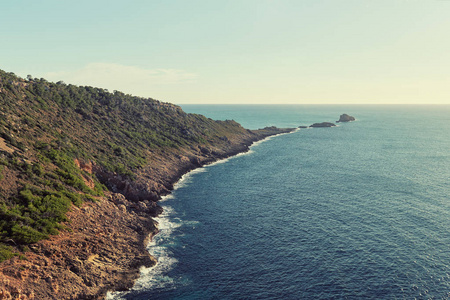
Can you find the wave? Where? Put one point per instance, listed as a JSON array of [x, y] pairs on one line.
[[222, 161], [185, 179], [159, 247]]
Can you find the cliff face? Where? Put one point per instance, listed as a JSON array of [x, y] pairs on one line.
[[81, 170]]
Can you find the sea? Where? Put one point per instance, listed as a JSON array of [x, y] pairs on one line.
[[356, 211]]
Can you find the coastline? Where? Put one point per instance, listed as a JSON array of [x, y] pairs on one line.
[[111, 295], [221, 159], [105, 244]]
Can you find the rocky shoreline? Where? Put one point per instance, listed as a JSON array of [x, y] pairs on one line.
[[104, 243]]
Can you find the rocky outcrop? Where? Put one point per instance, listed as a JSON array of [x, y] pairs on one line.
[[346, 118], [323, 124]]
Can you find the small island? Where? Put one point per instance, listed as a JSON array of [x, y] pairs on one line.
[[346, 118], [323, 124]]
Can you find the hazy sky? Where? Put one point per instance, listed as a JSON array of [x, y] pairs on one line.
[[247, 51]]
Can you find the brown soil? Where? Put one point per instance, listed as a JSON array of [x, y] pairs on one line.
[[4, 147]]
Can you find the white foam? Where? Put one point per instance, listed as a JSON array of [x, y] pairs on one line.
[[224, 160], [221, 161], [114, 296], [186, 178], [271, 137], [159, 248]]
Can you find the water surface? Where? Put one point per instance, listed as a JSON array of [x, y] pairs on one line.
[[358, 211]]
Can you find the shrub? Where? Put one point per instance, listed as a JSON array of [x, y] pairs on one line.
[[74, 197], [26, 235], [6, 252], [27, 196], [37, 169]]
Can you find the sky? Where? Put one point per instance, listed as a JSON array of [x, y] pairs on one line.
[[236, 51]]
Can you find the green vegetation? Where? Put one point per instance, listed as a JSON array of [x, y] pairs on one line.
[[6, 252], [49, 125]]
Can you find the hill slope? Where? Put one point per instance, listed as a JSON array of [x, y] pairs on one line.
[[81, 170]]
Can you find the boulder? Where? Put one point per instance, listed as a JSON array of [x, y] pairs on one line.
[[122, 208], [154, 209]]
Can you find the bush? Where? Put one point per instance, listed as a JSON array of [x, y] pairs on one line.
[[6, 252], [26, 235], [74, 197], [37, 169]]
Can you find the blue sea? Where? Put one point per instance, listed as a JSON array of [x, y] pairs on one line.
[[357, 211]]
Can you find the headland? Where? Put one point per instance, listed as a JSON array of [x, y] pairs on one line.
[[82, 170]]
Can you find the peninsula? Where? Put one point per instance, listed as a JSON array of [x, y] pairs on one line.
[[81, 173]]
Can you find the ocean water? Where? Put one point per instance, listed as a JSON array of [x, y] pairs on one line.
[[358, 211]]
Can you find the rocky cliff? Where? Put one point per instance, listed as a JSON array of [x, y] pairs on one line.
[[81, 171]]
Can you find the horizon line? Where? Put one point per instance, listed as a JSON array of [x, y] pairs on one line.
[[391, 104]]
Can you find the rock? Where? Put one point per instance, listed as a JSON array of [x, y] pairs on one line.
[[154, 209], [302, 126], [87, 209], [118, 199], [196, 162], [142, 206], [323, 124], [205, 150], [346, 118], [85, 166], [122, 208]]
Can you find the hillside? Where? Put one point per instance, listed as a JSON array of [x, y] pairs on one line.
[[81, 170]]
